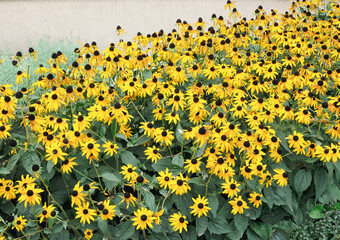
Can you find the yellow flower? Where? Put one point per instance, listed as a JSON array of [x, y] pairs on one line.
[[85, 213], [255, 198], [200, 206], [30, 195], [88, 234], [110, 148], [238, 205], [180, 185], [19, 223], [281, 177], [48, 212], [143, 218], [178, 222], [153, 154], [107, 210]]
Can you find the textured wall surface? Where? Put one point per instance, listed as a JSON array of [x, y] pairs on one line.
[[24, 22]]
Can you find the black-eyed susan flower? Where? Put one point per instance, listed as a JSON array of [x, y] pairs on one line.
[[193, 165], [48, 212], [90, 149], [143, 218], [179, 185], [108, 211], [164, 137], [255, 199], [128, 171], [238, 205], [68, 165], [164, 178], [110, 148], [128, 198], [77, 195], [153, 154], [7, 189], [178, 222], [88, 234], [30, 195], [230, 187], [19, 223], [281, 177], [85, 213], [200, 206]]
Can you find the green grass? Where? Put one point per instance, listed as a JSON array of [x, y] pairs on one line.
[[44, 47]]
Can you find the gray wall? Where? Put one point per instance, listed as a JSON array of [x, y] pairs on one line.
[[24, 22]]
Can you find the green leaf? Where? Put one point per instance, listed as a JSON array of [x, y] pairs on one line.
[[142, 140], [279, 234], [261, 229], [201, 225], [320, 182], [50, 165], [121, 136], [190, 234], [149, 200], [102, 225], [178, 160], [13, 160], [241, 222], [196, 181], [317, 212], [219, 225], [253, 235], [302, 180], [29, 159], [111, 180], [4, 171], [200, 151], [284, 142], [179, 133], [129, 158], [213, 204], [125, 230]]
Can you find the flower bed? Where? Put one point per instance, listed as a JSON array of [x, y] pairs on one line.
[[217, 132]]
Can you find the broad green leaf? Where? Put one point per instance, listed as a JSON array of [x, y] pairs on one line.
[[50, 166], [201, 225], [279, 234], [302, 180], [178, 160], [111, 180], [200, 151], [129, 158], [179, 133], [29, 159], [4, 171], [317, 212], [241, 222], [125, 230], [320, 181], [219, 225], [13, 160], [261, 229], [213, 204], [190, 234], [197, 181], [253, 235], [102, 225], [149, 200]]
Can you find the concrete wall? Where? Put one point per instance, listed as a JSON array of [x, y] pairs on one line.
[[24, 22]]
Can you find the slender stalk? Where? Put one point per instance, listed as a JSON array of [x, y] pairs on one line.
[[100, 183], [61, 208]]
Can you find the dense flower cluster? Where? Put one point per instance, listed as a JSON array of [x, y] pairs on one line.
[[198, 105]]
